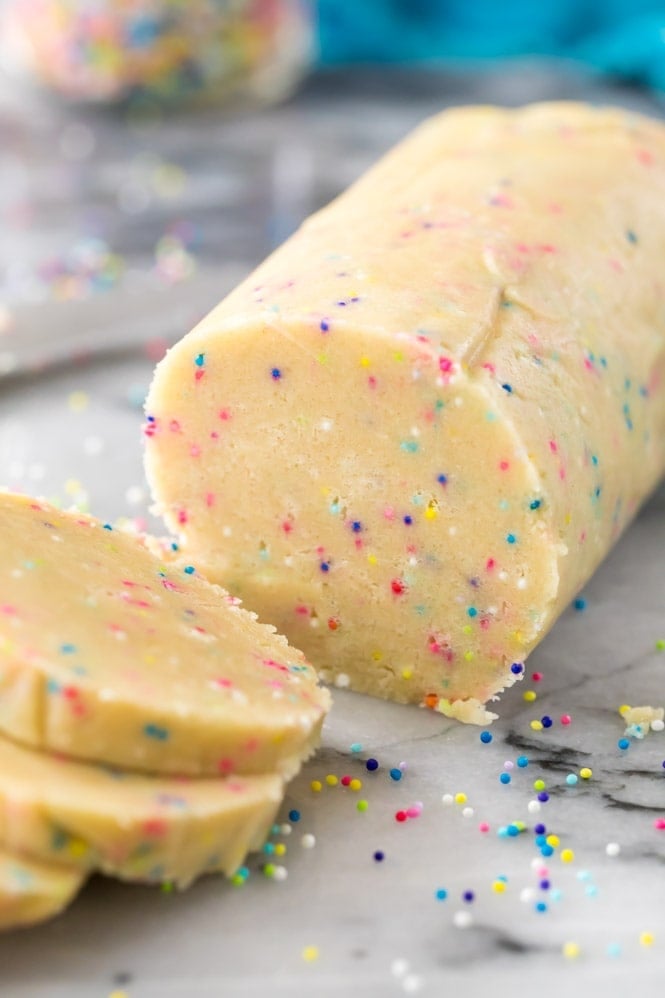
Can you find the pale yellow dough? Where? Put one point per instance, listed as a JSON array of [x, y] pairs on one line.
[[409, 437], [128, 825], [31, 891], [108, 655]]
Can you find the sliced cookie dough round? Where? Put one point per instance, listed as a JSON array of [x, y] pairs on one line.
[[108, 655], [32, 891], [130, 825]]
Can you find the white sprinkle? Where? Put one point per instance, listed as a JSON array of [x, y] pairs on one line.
[[527, 895], [398, 968], [134, 495], [280, 873], [452, 531], [288, 561], [612, 848], [93, 446], [226, 531], [285, 829], [342, 681], [503, 575], [326, 425], [467, 812], [447, 799], [412, 983], [533, 807], [308, 841], [458, 401], [657, 725], [521, 583], [462, 919]]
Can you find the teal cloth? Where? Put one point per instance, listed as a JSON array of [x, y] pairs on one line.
[[621, 38]]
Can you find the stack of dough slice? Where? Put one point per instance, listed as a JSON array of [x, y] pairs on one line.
[[147, 722]]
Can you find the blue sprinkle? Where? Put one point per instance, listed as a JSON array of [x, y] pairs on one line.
[[325, 566], [355, 747], [505, 778], [522, 761], [517, 668], [543, 797], [507, 388], [294, 815], [324, 326], [546, 850], [472, 612], [441, 894], [571, 779], [535, 504], [546, 721], [372, 765], [580, 603], [540, 829], [486, 737], [189, 569], [269, 848], [624, 743], [107, 526], [200, 360], [630, 236], [396, 774], [442, 479], [276, 373], [67, 649], [512, 830], [356, 526], [410, 445], [154, 731], [408, 520], [511, 538], [541, 906]]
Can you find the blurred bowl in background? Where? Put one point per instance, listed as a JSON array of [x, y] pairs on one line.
[[159, 51]]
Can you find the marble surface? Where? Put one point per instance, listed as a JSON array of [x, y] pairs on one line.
[[115, 236]]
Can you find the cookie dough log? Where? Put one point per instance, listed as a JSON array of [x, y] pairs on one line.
[[409, 438], [31, 891], [128, 825], [107, 655]]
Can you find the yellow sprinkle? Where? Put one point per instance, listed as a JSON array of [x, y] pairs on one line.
[[365, 361], [518, 637], [567, 518], [553, 840], [377, 655], [469, 655], [529, 696], [407, 673], [467, 629], [586, 773], [269, 870], [322, 358], [355, 784], [78, 401], [280, 849], [398, 355], [539, 784], [567, 855], [460, 798], [331, 780], [499, 886], [372, 559], [237, 880], [119, 994], [310, 954], [72, 486], [624, 709], [646, 939], [536, 725], [431, 512], [571, 950], [77, 848], [316, 786], [362, 805]]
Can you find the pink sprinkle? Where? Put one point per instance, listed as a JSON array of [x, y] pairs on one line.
[[659, 823], [489, 564], [553, 446], [483, 826], [224, 414], [504, 465], [210, 499], [536, 676], [225, 765], [199, 373], [414, 811], [566, 719]]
